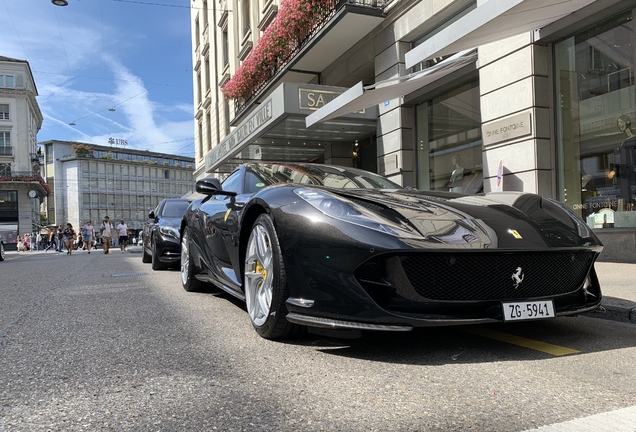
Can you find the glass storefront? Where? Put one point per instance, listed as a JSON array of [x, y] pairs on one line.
[[449, 143], [595, 107]]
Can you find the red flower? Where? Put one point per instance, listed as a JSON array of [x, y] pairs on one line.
[[293, 24]]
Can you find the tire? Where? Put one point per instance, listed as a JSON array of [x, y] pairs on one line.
[[156, 264], [145, 256], [265, 282], [1, 251], [188, 281]]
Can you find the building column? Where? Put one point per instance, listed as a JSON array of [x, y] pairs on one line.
[[395, 129], [516, 112]]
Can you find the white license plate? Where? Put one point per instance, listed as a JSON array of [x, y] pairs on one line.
[[528, 310]]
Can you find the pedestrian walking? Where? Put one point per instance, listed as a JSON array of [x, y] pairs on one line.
[[38, 241], [20, 244], [52, 241], [123, 235], [69, 238], [60, 237], [88, 232], [106, 229]]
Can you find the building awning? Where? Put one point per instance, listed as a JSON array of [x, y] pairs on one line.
[[360, 97], [276, 130], [492, 21]]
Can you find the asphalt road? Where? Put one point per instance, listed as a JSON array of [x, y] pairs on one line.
[[102, 343]]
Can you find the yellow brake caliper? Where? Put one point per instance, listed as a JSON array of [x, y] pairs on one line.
[[261, 270]]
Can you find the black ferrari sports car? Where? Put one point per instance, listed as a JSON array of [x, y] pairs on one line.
[[341, 248]]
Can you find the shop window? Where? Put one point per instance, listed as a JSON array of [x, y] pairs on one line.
[[449, 142], [596, 140]]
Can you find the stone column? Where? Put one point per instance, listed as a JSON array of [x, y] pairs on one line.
[[395, 129], [517, 115]]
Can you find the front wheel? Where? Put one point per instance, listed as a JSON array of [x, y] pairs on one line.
[[145, 256], [188, 281], [1, 251], [265, 281], [156, 264]]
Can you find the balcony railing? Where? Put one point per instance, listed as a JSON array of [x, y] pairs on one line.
[[240, 105], [6, 151]]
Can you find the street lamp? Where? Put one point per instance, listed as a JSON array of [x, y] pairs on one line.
[[59, 2]]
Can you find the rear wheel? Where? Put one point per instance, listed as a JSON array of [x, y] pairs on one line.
[[156, 264], [1, 251], [266, 282], [188, 281]]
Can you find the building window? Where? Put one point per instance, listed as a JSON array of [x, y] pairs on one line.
[[246, 16], [197, 34], [207, 73], [4, 111], [200, 143], [594, 82], [5, 169], [226, 116], [7, 81], [225, 40], [5, 144], [449, 143], [205, 14], [208, 131], [198, 88]]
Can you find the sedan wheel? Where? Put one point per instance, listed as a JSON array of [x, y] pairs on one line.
[[189, 282], [1, 251], [265, 281], [156, 264], [145, 256]]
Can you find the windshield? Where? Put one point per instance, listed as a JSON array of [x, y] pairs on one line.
[[261, 175], [175, 209]]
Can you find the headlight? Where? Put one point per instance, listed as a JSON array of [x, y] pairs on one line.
[[339, 208], [169, 232]]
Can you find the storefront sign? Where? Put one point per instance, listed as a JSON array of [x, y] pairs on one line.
[[241, 134], [388, 164], [513, 127], [313, 100]]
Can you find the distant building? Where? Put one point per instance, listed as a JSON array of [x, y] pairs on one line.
[[91, 181], [22, 189]]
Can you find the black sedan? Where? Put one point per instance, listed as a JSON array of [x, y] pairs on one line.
[[160, 240], [340, 248]]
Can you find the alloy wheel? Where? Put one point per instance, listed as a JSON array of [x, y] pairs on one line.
[[259, 275]]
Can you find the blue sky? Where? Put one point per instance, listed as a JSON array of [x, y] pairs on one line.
[[93, 55]]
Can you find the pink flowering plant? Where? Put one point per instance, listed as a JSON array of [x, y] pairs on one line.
[[294, 22]]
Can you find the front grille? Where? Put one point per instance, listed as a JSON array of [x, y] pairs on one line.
[[480, 276]]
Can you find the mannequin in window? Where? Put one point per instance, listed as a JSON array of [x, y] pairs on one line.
[[455, 181]]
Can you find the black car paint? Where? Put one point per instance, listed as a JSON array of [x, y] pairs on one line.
[[321, 253]]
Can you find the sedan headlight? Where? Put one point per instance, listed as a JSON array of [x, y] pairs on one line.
[[339, 208], [169, 232]]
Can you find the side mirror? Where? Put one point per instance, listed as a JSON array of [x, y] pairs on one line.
[[151, 215], [212, 186]]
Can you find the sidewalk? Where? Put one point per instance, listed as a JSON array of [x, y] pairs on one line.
[[618, 285]]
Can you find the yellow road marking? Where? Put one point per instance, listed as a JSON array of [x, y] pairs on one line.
[[555, 350]]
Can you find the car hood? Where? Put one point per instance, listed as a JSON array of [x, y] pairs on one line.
[[510, 220]]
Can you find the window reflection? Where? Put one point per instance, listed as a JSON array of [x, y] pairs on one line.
[[595, 89]]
